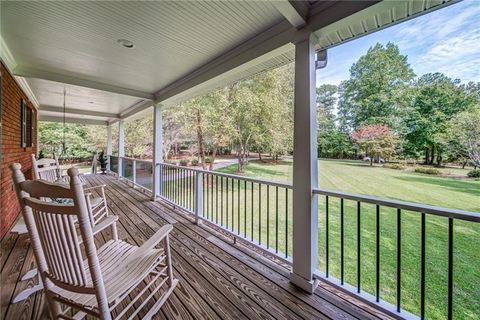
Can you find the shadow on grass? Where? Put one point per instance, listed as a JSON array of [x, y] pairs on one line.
[[260, 169], [453, 185]]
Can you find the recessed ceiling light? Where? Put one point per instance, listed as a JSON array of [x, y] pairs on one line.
[[126, 43]]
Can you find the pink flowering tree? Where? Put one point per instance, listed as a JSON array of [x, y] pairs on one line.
[[377, 140]]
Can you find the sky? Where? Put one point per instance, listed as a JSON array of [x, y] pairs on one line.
[[446, 40]]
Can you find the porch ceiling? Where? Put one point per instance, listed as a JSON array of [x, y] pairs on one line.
[[182, 49]]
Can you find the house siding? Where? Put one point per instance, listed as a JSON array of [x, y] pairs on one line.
[[12, 95]]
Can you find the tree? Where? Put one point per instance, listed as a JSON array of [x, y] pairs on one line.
[[464, 134], [80, 142], [218, 121], [436, 99], [377, 140], [372, 94]]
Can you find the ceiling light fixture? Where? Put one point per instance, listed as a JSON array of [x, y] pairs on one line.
[[126, 43]]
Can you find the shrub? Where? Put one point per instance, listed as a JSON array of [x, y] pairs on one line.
[[432, 171], [183, 163], [395, 166], [194, 162], [208, 159], [474, 174]]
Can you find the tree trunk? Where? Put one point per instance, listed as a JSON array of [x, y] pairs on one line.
[[427, 155], [241, 158], [371, 161], [214, 154], [432, 155], [260, 156], [201, 147]]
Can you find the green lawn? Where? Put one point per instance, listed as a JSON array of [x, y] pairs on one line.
[[357, 177]]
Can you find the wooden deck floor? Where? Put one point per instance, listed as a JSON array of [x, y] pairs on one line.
[[218, 279]]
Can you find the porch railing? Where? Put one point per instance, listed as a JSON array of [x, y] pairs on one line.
[[137, 171], [385, 235], [356, 233], [258, 211]]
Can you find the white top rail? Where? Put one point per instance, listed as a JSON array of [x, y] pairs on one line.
[[133, 159], [410, 206], [232, 176]]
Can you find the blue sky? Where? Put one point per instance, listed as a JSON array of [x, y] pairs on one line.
[[446, 40]]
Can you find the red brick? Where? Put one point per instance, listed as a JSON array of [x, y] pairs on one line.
[[12, 95]]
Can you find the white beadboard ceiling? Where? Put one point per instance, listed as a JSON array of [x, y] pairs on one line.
[[65, 40]]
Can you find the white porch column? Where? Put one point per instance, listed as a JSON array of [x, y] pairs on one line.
[[157, 149], [121, 146], [109, 144], [305, 171]]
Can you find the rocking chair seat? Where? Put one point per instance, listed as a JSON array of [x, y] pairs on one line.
[[121, 275]]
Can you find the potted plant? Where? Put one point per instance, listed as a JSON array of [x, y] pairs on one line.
[[102, 159]]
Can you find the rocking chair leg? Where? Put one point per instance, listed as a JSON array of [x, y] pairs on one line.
[[30, 274], [29, 291], [154, 310]]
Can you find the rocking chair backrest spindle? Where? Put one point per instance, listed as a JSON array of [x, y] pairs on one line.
[[54, 234]]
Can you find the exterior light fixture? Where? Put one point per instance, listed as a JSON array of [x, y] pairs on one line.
[[321, 60]]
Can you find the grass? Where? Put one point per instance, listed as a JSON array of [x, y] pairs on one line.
[[359, 178]]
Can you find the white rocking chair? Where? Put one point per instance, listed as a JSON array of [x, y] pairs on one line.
[[49, 170], [98, 284]]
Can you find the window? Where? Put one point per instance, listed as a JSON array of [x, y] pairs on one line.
[[27, 118]]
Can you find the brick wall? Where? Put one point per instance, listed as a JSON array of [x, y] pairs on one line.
[[12, 95]]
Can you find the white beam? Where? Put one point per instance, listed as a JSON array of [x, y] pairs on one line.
[[294, 12], [80, 111], [157, 149], [28, 72], [305, 171], [71, 120], [121, 146]]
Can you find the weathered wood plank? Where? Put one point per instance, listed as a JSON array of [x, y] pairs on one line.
[[12, 272], [218, 279]]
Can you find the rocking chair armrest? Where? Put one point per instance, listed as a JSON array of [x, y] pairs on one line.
[[95, 187], [105, 223], [150, 243]]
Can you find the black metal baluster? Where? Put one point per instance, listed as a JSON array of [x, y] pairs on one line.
[[422, 268], [326, 236], [268, 216], [251, 235], [286, 222], [238, 207], [216, 199], [276, 219], [377, 271], [342, 253], [233, 201], [359, 272], [259, 213], [221, 200], [206, 192], [226, 202], [450, 269], [245, 209], [399, 258]]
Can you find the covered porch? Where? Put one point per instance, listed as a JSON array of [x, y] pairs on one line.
[[219, 278], [251, 252]]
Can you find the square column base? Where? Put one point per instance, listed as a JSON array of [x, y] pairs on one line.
[[307, 285]]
